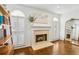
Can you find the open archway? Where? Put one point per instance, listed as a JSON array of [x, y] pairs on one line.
[[72, 31]]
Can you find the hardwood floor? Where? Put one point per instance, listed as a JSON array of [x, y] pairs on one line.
[[59, 48]]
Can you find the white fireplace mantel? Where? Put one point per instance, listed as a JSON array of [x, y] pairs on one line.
[[36, 25], [39, 29]]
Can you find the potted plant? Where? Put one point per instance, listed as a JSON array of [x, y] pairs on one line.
[[32, 18]]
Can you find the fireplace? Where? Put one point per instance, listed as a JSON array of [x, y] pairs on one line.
[[67, 35], [41, 37]]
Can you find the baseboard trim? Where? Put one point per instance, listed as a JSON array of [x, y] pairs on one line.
[[55, 41], [21, 47]]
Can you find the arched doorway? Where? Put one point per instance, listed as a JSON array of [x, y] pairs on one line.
[[72, 31], [17, 23]]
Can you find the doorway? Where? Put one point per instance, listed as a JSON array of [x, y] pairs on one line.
[[72, 31]]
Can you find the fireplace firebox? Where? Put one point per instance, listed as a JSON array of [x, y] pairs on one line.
[[41, 37]]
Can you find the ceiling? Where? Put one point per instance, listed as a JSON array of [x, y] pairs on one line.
[[56, 8]]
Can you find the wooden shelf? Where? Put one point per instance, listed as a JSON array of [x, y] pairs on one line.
[[4, 40], [3, 10], [5, 47]]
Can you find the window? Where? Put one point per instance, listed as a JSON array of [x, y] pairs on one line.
[[17, 22]]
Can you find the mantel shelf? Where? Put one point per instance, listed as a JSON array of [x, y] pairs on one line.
[[41, 26]]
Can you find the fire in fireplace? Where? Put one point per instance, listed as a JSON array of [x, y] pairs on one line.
[[41, 37]]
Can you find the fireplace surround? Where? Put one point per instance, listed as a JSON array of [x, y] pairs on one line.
[[40, 33]]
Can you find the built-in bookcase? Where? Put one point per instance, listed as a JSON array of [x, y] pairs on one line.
[[5, 27]]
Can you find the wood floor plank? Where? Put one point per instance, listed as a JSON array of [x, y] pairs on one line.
[[59, 48]]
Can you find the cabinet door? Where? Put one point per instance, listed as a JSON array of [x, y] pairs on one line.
[[18, 31]]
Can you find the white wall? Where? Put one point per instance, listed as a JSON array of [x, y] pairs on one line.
[[64, 18], [28, 29]]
